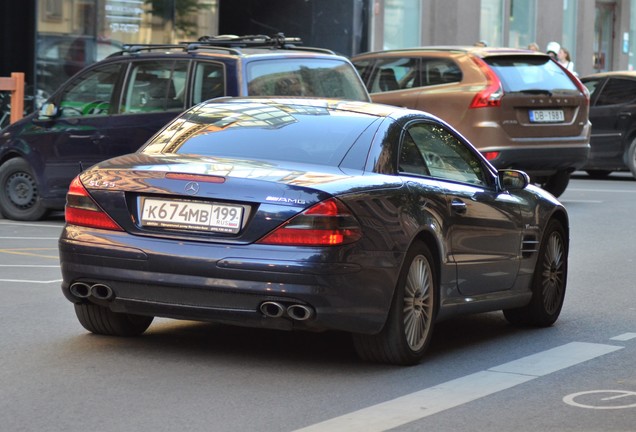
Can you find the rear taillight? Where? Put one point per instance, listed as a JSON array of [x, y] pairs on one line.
[[491, 155], [328, 223], [492, 94], [577, 82], [82, 210]]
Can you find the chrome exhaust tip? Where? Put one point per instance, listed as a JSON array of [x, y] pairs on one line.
[[272, 309], [102, 292], [80, 290], [300, 312]]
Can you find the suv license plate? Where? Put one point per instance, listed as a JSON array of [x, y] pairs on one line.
[[191, 215], [546, 116]]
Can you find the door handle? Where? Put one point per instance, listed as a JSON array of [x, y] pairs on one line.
[[458, 206]]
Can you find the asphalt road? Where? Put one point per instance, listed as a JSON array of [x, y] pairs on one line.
[[480, 374]]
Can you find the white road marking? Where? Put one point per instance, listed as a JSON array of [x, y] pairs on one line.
[[29, 265], [620, 394], [31, 225], [624, 337], [29, 238], [415, 406], [31, 281], [601, 190]]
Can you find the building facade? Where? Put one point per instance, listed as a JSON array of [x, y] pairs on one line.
[[51, 39], [599, 34]]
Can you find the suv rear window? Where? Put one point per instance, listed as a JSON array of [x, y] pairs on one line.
[[304, 77], [530, 73]]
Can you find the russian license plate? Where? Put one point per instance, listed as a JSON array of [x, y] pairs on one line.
[[546, 116], [189, 215]]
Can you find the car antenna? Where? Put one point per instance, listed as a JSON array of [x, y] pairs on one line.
[[81, 167]]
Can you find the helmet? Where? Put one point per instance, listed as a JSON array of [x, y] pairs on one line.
[[553, 47]]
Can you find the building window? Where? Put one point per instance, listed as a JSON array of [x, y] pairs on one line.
[[522, 23], [569, 28], [52, 10], [491, 22], [401, 24]]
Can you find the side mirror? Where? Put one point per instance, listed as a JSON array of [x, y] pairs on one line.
[[513, 179], [47, 111]]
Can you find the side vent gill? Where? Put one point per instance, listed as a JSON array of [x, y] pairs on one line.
[[529, 246]]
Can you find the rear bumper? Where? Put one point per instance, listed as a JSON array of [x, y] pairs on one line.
[[542, 160], [217, 283]]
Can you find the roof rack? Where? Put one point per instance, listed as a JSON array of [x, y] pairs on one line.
[[135, 48], [277, 41], [229, 43]]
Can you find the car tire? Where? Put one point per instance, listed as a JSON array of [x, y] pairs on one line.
[[548, 282], [101, 320], [19, 195], [598, 174], [556, 183], [631, 158], [409, 326]]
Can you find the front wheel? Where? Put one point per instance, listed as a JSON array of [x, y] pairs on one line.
[[409, 326], [19, 194], [101, 320], [548, 282], [556, 183]]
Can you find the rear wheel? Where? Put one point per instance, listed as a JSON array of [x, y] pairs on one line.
[[556, 183], [19, 194], [101, 320], [409, 326], [548, 283]]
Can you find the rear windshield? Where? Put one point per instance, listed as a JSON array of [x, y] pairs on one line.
[[254, 131], [318, 77], [528, 73]]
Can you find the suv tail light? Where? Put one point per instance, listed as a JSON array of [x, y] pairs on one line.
[[576, 81], [82, 210], [328, 223], [492, 94]]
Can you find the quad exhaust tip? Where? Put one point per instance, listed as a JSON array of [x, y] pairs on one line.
[[98, 291], [297, 312]]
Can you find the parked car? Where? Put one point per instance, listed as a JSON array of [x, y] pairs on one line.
[[114, 106], [613, 117], [311, 214], [519, 108]]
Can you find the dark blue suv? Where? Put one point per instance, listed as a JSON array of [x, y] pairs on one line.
[[112, 107]]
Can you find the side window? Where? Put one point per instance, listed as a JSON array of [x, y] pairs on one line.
[[439, 71], [395, 74], [445, 156], [592, 86], [155, 86], [364, 68], [411, 159], [91, 93], [410, 72], [209, 82], [617, 91]]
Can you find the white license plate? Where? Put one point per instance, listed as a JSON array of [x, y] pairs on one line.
[[191, 215], [546, 116]]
